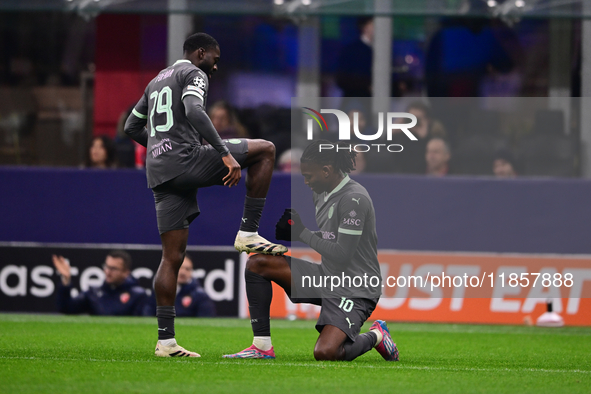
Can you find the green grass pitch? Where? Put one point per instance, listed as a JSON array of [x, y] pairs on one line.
[[82, 354]]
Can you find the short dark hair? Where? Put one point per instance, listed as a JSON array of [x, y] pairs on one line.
[[199, 40], [505, 154], [123, 255], [342, 159], [363, 20]]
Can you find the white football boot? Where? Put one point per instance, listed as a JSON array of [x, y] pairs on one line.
[[257, 244], [173, 351]]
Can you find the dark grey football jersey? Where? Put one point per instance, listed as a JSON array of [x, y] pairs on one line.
[[348, 209], [172, 140]]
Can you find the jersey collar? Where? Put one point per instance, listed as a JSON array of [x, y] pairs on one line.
[[339, 187], [181, 61]]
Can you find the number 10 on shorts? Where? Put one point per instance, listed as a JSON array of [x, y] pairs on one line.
[[346, 304]]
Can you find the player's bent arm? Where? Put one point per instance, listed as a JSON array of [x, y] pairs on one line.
[[135, 128], [317, 233], [201, 122], [341, 250], [354, 208]]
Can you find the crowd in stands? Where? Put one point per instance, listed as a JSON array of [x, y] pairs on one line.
[[459, 60], [479, 147], [453, 137]]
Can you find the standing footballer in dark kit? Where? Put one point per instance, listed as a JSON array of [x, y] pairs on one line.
[[347, 242], [170, 120]]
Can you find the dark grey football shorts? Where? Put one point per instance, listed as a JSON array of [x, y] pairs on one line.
[[347, 314], [176, 200]]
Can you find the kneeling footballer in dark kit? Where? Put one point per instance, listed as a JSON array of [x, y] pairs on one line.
[[347, 242]]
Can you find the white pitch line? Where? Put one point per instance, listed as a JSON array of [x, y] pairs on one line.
[[314, 365], [303, 325], [402, 366]]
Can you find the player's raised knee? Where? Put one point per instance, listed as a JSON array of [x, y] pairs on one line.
[[265, 147], [262, 149], [257, 263], [268, 147]]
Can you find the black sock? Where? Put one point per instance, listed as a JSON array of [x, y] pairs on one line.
[[363, 344], [165, 316], [253, 209], [259, 292]]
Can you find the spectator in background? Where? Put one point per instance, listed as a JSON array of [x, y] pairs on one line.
[[191, 299], [426, 126], [119, 295], [355, 62], [354, 66], [412, 158], [504, 164], [464, 50], [124, 146], [140, 156], [358, 110], [461, 55], [289, 161], [225, 121], [437, 157], [101, 153]]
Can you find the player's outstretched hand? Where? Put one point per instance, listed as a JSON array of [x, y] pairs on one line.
[[234, 169], [290, 226], [63, 268]]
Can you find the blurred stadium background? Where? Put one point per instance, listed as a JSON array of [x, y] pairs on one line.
[[70, 71]]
